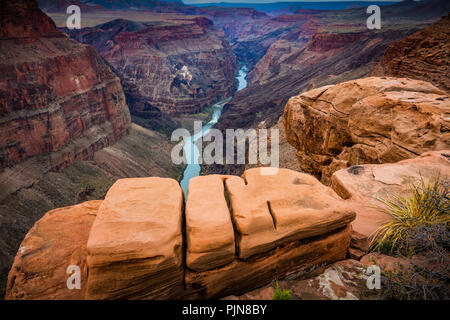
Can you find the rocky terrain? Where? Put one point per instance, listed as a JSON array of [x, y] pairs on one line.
[[370, 120], [423, 55], [174, 66], [65, 127], [270, 226]]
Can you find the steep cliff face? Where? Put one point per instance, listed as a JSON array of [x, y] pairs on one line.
[[175, 66], [423, 55], [370, 120], [59, 103], [53, 93]]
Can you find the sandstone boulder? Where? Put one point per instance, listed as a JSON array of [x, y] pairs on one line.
[[243, 275], [209, 230], [370, 120], [135, 248], [270, 210], [55, 242], [364, 185]]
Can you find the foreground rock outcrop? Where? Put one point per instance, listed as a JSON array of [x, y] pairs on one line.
[[176, 65], [50, 238], [423, 55], [135, 246], [370, 120], [236, 234]]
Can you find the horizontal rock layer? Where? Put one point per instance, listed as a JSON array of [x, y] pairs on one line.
[[174, 66], [135, 246], [423, 55], [371, 120], [365, 185], [53, 92]]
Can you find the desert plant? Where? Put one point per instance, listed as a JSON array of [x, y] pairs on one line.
[[420, 227], [281, 294], [427, 207]]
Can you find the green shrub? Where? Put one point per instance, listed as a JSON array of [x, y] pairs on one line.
[[427, 207], [281, 294]]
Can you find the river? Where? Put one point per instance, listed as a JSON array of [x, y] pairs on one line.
[[190, 149]]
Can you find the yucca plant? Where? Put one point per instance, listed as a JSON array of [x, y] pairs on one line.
[[427, 207]]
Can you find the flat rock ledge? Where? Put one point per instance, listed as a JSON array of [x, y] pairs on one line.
[[234, 234]]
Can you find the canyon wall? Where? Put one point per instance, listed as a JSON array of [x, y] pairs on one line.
[[54, 92], [65, 128], [235, 234], [423, 55], [171, 65]]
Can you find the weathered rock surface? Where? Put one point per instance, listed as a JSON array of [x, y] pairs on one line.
[[365, 184], [342, 280], [135, 248], [56, 242], [271, 210], [54, 92], [176, 65], [423, 55], [59, 103], [243, 275], [209, 230], [370, 120]]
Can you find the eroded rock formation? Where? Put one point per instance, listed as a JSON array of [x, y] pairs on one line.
[[371, 120], [176, 65], [135, 246], [54, 92], [423, 55], [236, 234], [59, 103]]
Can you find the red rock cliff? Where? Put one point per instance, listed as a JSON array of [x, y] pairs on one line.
[[423, 55], [55, 94], [175, 65]]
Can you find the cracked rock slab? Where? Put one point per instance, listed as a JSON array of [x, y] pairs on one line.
[[136, 246], [209, 230], [270, 210]]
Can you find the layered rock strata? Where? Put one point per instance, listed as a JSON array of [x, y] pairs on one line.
[[178, 65], [135, 246], [423, 55], [59, 103], [53, 92]]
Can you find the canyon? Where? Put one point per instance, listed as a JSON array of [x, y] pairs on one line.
[[174, 66], [87, 114], [423, 55]]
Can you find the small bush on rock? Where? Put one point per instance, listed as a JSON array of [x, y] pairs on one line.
[[419, 230]]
